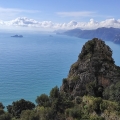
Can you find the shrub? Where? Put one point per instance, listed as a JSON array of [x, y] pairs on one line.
[[78, 100], [1, 106], [74, 112], [96, 118], [29, 115], [5, 116], [17, 107], [43, 100], [54, 93], [64, 81]]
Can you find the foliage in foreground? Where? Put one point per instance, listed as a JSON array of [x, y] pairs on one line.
[[60, 106]]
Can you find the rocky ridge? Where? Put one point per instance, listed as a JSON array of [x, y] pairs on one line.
[[107, 34], [94, 73]]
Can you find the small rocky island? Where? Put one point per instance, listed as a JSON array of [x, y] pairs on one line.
[[19, 36]]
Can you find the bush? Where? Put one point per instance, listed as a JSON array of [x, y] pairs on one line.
[[5, 116], [103, 106], [43, 100], [1, 111], [96, 118], [17, 107], [74, 112], [54, 93], [65, 81], [29, 115], [96, 103], [1, 106], [46, 113]]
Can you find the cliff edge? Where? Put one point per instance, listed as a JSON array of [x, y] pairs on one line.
[[94, 73]]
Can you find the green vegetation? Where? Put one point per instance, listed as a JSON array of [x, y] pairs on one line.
[[43, 100], [17, 107], [113, 92], [59, 106]]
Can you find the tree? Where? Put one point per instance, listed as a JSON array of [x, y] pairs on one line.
[[43, 100], [59, 101], [54, 93], [29, 115], [5, 116], [1, 106], [17, 107], [1, 109]]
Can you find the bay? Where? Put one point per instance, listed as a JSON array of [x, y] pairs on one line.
[[36, 63]]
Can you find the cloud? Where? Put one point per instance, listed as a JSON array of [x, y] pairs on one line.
[[76, 14], [7, 13], [5, 10], [92, 24], [24, 22], [21, 22]]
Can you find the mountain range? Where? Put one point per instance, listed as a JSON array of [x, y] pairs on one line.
[[108, 34]]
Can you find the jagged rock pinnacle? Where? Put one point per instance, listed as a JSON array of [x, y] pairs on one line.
[[94, 73]]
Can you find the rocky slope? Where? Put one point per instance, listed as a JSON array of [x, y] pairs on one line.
[[94, 73]]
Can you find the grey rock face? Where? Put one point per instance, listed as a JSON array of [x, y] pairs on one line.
[[94, 72]]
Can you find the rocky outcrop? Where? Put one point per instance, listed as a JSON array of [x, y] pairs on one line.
[[94, 73]]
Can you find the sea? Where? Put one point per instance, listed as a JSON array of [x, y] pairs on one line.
[[33, 65]]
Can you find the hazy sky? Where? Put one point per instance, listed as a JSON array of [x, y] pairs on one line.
[[59, 14]]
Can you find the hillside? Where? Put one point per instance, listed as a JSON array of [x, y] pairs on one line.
[[110, 34]]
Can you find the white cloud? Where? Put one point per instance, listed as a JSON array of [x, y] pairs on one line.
[[8, 13], [24, 22], [76, 14], [14, 10]]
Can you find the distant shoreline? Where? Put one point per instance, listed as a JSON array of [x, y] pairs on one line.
[[106, 34]]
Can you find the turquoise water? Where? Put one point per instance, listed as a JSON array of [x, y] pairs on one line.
[[34, 64]]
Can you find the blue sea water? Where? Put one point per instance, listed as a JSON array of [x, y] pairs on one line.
[[36, 63]]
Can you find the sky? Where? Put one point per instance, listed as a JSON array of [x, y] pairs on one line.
[[50, 15]]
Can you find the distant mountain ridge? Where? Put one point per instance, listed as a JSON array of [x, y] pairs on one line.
[[108, 34]]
